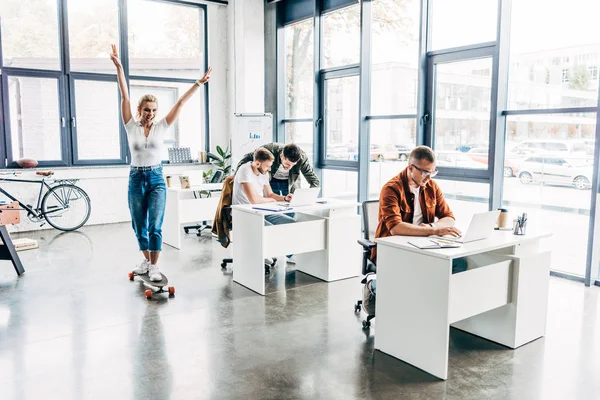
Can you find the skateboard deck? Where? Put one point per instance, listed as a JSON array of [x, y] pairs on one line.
[[146, 278], [155, 284]]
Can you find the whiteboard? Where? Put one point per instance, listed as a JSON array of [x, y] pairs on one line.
[[250, 131]]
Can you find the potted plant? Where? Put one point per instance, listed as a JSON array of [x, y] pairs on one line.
[[221, 161]]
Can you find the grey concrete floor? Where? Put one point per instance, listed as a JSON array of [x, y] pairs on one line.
[[74, 327]]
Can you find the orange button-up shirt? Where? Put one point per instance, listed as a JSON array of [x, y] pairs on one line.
[[397, 204]]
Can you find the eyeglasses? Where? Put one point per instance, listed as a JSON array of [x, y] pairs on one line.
[[426, 173]]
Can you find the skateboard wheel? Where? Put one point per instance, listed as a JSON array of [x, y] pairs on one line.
[[171, 291], [148, 294], [130, 275]]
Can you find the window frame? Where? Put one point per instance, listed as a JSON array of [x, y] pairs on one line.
[[66, 90]]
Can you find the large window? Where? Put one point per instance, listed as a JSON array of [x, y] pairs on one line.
[[165, 39], [395, 56], [62, 98], [508, 102], [554, 68], [461, 113], [454, 26], [35, 122], [299, 68], [91, 29], [552, 157], [30, 34], [341, 37]]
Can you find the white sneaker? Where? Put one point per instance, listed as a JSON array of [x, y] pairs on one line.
[[154, 273], [291, 259], [142, 267], [268, 261]]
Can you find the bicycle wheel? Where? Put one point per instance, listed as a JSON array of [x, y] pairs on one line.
[[66, 207]]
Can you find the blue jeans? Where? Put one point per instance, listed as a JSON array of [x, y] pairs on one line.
[[279, 219], [147, 197], [280, 187]]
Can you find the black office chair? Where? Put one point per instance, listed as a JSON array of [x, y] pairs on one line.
[[216, 178], [370, 214]]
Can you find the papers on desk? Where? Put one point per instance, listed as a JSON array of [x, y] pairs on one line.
[[271, 207], [428, 243]]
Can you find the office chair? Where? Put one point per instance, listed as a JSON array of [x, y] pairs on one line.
[[224, 215], [216, 178], [370, 214]]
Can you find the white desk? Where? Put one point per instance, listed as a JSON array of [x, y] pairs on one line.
[[183, 208], [502, 296], [323, 239]]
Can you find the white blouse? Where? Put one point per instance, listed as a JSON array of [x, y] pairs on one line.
[[146, 151]]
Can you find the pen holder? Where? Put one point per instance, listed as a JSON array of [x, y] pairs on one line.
[[519, 228]]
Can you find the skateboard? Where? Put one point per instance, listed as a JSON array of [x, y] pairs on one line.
[[155, 286]]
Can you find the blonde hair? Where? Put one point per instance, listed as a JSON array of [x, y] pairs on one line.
[[147, 98]]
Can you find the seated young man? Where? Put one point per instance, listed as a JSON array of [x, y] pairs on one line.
[[251, 186], [412, 204]]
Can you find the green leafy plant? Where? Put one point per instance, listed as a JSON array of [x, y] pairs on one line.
[[221, 160], [206, 175]]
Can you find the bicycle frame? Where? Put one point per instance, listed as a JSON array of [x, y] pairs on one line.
[[42, 184]]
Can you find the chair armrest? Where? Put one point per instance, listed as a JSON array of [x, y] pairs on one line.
[[367, 244]]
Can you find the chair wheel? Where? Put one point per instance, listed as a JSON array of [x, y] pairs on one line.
[[366, 324], [186, 230], [223, 265], [357, 308]]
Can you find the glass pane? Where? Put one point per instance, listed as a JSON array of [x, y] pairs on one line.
[[553, 159], [341, 118], [391, 143], [452, 26], [301, 133], [465, 199], [341, 37], [395, 56], [340, 184], [165, 39], [556, 67], [97, 133], [188, 129], [299, 69], [92, 28], [462, 113], [34, 118], [30, 34]]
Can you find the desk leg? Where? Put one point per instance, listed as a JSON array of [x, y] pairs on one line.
[[248, 251], [171, 229], [342, 257], [8, 252], [524, 318], [412, 310]]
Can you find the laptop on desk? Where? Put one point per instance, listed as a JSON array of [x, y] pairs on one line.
[[303, 197], [481, 226]]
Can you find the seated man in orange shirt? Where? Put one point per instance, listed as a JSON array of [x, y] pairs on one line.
[[412, 204]]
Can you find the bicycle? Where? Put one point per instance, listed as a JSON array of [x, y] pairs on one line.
[[64, 205]]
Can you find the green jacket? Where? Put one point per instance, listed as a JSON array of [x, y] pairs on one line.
[[302, 166]]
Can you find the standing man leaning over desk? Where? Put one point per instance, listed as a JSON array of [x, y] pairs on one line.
[[410, 202], [289, 161]]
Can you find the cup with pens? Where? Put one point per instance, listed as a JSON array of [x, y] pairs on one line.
[[520, 224]]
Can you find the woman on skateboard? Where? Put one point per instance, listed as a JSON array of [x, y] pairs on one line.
[[147, 190]]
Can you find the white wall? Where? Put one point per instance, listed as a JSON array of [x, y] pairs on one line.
[[107, 186]]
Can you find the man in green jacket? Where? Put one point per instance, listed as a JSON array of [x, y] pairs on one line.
[[290, 161]]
